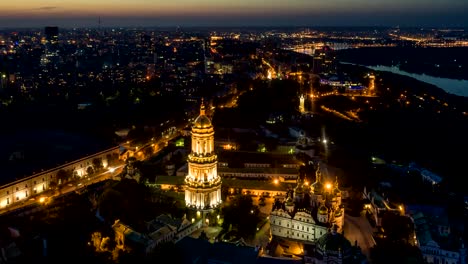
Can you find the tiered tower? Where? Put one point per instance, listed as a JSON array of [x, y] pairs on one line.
[[203, 185], [371, 84], [301, 104]]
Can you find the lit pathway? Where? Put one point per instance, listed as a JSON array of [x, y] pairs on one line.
[[358, 228]]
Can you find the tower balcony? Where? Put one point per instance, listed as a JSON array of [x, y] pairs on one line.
[[210, 158], [193, 183]]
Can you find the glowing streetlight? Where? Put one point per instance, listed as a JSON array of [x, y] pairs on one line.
[[275, 181], [111, 170], [328, 186]]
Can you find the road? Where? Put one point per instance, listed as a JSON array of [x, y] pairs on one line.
[[358, 229]]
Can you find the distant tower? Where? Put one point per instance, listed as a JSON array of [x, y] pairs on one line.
[[371, 84], [301, 104], [203, 185]]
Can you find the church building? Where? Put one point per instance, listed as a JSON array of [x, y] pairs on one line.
[[310, 211]]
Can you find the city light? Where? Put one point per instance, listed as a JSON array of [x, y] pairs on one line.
[[111, 170], [328, 186], [275, 181]]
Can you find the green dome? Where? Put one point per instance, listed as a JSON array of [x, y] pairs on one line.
[[317, 187], [333, 242]]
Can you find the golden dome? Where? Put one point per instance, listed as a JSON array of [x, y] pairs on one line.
[[202, 121], [323, 210]]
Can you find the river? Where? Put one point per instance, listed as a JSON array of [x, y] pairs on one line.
[[452, 86]]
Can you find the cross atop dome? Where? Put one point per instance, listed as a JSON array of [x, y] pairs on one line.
[[202, 107]]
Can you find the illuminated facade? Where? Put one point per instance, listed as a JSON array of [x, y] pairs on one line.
[[23, 189], [203, 185]]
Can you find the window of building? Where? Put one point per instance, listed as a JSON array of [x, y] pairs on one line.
[[17, 198], [26, 186], [17, 189], [7, 200], [34, 182], [7, 192]]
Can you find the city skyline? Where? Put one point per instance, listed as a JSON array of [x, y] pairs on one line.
[[111, 13]]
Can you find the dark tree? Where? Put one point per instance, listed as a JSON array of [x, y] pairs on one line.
[[397, 227], [90, 171], [97, 164], [242, 215], [62, 176]]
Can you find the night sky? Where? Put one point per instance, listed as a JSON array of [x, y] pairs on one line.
[[84, 13]]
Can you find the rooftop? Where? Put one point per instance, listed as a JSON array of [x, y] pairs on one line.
[[27, 152], [241, 157], [201, 251]]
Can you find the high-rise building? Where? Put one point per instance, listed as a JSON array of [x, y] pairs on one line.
[[51, 34], [202, 184]]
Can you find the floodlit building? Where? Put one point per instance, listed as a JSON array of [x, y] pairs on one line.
[[301, 104], [309, 211], [202, 184], [437, 238]]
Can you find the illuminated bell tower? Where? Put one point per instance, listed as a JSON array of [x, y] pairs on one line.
[[301, 104], [371, 84], [202, 184]]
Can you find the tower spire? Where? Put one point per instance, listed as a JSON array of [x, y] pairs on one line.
[[202, 107]]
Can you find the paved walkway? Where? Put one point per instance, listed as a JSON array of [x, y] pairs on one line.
[[358, 229]]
